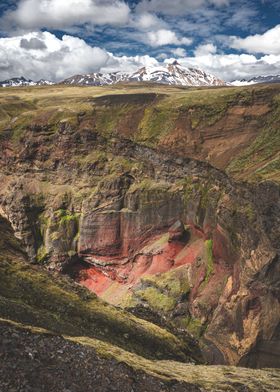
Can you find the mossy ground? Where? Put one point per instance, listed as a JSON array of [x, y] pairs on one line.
[[209, 258], [174, 282]]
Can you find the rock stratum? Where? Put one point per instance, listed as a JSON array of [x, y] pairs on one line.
[[164, 203]]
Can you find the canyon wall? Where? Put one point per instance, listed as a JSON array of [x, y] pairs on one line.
[[169, 238]]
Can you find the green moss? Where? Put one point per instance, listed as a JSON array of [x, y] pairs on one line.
[[192, 325], [55, 236], [261, 159], [204, 199], [65, 216], [162, 292], [210, 260], [207, 115], [174, 282], [119, 165], [157, 300], [263, 148], [270, 167], [93, 157], [246, 209], [42, 254], [250, 213], [195, 327], [149, 184], [30, 295], [163, 240], [108, 118], [156, 122]]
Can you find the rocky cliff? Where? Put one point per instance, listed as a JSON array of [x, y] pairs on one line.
[[107, 190]]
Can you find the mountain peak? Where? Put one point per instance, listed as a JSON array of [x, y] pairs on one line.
[[175, 62]]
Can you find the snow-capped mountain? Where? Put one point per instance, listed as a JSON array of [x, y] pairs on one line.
[[96, 79], [257, 80], [21, 82], [170, 74]]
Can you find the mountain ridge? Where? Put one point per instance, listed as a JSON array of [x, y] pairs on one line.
[[257, 80], [23, 82], [169, 74]]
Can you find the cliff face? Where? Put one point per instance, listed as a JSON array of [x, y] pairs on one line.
[[172, 239]]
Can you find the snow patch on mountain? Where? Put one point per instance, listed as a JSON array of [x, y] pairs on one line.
[[257, 80], [21, 82]]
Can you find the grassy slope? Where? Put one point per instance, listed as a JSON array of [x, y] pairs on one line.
[[152, 124], [262, 158]]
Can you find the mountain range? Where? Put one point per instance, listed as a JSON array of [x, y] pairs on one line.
[[21, 82], [168, 74], [257, 80]]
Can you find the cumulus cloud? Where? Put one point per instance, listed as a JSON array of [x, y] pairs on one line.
[[205, 49], [165, 37], [128, 63], [43, 55], [231, 67], [267, 43], [179, 52], [61, 14], [146, 21]]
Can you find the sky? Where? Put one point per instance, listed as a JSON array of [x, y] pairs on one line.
[[55, 39]]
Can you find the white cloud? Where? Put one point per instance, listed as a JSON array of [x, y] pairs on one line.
[[179, 52], [42, 55], [267, 43], [146, 21], [205, 49], [225, 66], [51, 58], [233, 66], [165, 37], [128, 63], [61, 14]]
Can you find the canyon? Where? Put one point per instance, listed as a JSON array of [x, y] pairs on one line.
[[164, 202]]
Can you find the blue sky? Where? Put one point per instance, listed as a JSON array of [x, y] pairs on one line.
[[54, 39]]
